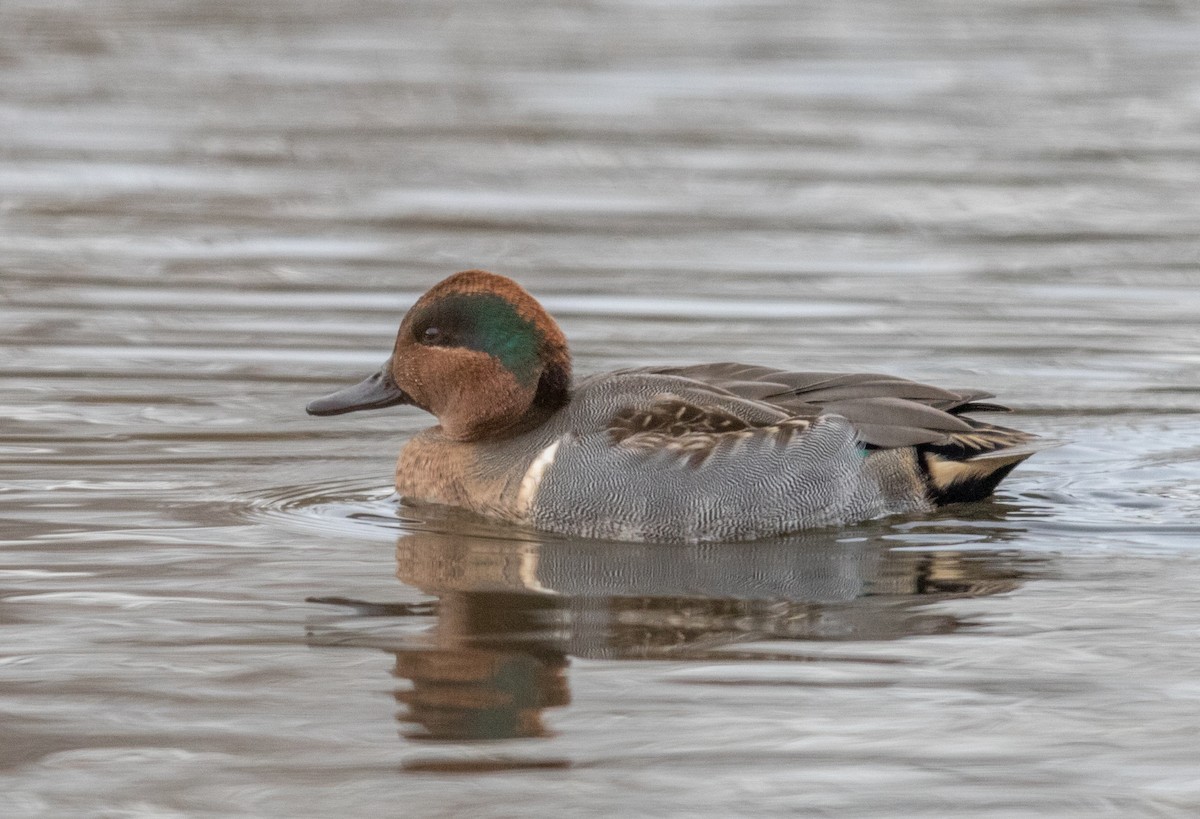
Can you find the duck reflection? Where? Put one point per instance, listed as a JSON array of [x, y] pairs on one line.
[[497, 661], [511, 612]]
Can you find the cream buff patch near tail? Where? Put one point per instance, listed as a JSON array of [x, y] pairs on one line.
[[945, 472]]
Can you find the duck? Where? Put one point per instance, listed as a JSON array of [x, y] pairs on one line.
[[703, 452]]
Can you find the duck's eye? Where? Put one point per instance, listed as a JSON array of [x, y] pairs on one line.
[[432, 335]]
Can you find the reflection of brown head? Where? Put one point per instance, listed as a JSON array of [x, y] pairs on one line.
[[467, 693], [496, 664]]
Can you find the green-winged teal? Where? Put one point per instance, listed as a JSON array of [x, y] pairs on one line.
[[705, 452]]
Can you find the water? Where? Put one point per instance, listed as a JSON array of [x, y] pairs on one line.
[[211, 606]]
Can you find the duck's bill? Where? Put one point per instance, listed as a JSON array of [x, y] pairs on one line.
[[374, 392]]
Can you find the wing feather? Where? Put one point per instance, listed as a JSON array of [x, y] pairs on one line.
[[888, 412]]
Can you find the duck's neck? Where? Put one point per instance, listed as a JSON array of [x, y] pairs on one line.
[[553, 389], [553, 393], [511, 413]]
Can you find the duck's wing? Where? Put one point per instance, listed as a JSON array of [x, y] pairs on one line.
[[728, 413], [789, 387], [888, 412], [693, 432]]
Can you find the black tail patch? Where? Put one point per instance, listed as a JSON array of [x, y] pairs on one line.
[[960, 481]]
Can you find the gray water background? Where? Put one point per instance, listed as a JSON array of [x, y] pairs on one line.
[[213, 212]]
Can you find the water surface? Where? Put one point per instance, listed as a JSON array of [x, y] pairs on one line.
[[210, 604]]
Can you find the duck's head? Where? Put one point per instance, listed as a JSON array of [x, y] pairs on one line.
[[478, 352]]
